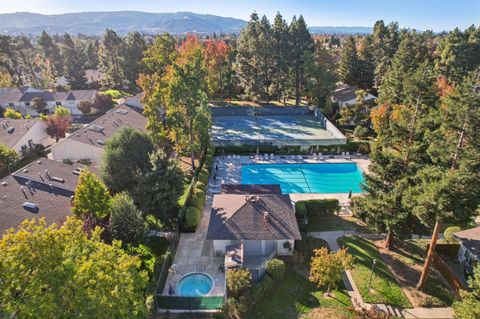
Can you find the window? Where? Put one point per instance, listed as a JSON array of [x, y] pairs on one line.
[[58, 103], [10, 104], [27, 103]]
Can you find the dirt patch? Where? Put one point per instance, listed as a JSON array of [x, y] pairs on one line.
[[406, 267], [325, 313]]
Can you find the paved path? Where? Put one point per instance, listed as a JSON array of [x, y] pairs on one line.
[[416, 313]]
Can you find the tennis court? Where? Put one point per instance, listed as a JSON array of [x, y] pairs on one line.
[[276, 130]]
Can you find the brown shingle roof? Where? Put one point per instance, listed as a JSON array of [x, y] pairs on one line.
[[345, 92], [11, 131], [100, 130], [250, 189], [8, 95], [53, 203], [236, 217], [83, 95]]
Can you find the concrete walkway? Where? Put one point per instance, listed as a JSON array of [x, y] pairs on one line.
[[421, 313]]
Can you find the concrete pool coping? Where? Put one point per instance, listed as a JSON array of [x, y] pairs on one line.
[[212, 280]]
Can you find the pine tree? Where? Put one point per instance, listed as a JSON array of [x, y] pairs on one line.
[[51, 51], [349, 68], [134, 46], [367, 64], [301, 45], [126, 222], [91, 52], [73, 63], [280, 48], [111, 59]]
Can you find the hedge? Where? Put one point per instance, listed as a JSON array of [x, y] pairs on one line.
[[321, 207], [276, 269], [203, 177], [200, 185], [192, 217], [300, 210]]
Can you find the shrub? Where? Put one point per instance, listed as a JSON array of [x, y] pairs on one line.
[[200, 185], [322, 207], [261, 290], [192, 217], [360, 131], [448, 234], [300, 210], [276, 269], [197, 201], [203, 177], [238, 281]]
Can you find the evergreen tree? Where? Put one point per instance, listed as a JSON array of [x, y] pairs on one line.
[[111, 59], [73, 63], [280, 50], [366, 64], [159, 188], [134, 47], [301, 45], [91, 52], [349, 68], [126, 221], [25, 52], [469, 307]]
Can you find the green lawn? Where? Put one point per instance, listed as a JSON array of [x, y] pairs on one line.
[[319, 223], [295, 296], [385, 288]]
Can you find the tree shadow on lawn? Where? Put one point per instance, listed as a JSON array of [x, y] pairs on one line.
[[330, 223]]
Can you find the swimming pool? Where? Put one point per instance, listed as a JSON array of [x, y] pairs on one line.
[[195, 284], [306, 178]]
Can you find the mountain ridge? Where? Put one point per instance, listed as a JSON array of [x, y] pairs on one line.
[[95, 23]]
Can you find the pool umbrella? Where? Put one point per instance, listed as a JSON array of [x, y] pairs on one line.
[[350, 194]]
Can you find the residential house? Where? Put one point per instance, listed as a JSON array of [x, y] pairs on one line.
[[21, 99], [135, 102], [88, 142], [93, 76], [42, 189], [469, 252], [346, 95], [23, 134], [250, 224]]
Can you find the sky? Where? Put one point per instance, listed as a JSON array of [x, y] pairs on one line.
[[434, 15]]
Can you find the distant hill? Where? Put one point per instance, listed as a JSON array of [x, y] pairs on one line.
[[95, 23]]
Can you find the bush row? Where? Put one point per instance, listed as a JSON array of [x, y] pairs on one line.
[[316, 207]]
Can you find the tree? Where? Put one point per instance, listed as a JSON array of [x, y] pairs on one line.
[[57, 126], [301, 44], [159, 188], [349, 68], [326, 268], [25, 55], [85, 107], [73, 64], [111, 59], [125, 156], [367, 64], [216, 55], [238, 281], [66, 274], [6, 80], [39, 104], [51, 51], [280, 51], [134, 46], [61, 111], [91, 196], [126, 221], [91, 53], [12, 114], [103, 102], [188, 115], [469, 307], [357, 114], [8, 157], [157, 61]]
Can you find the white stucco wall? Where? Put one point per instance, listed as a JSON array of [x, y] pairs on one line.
[[220, 245], [74, 150], [281, 251]]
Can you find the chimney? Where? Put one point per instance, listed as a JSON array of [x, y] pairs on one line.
[[246, 198], [71, 200], [265, 216], [46, 174], [23, 191]]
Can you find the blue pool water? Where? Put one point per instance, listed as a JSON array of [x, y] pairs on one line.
[[306, 178], [194, 285]]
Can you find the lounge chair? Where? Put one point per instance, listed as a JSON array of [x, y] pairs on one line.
[[293, 157], [314, 156], [266, 156], [272, 156], [229, 157], [300, 157], [347, 155], [320, 156]]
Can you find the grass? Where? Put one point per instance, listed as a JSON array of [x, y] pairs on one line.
[[385, 287], [319, 223], [295, 296]]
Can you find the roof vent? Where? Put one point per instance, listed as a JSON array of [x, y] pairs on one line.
[[39, 162], [10, 130], [58, 179], [265, 216], [25, 170], [122, 111], [31, 207], [96, 128], [4, 184], [101, 142]]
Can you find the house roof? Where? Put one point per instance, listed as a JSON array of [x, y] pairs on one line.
[[8, 95], [252, 217], [470, 239], [135, 101], [344, 92], [24, 94], [47, 184], [51, 173], [11, 131], [99, 131]]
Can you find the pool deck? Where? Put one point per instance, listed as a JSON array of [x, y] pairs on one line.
[[230, 172]]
